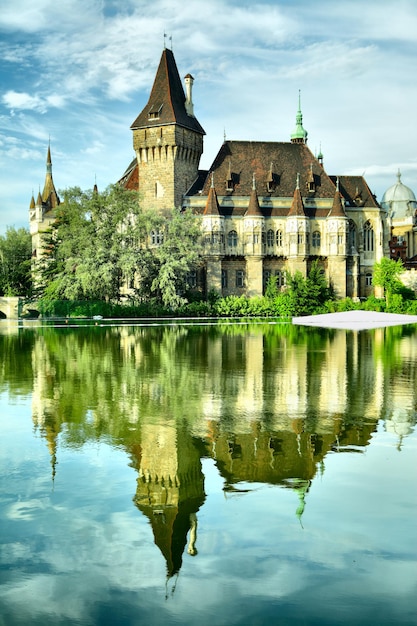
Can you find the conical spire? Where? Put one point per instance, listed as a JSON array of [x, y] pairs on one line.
[[212, 205], [49, 194], [297, 206], [337, 209], [167, 103], [300, 134], [254, 210]]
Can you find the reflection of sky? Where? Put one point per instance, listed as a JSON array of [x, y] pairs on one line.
[[80, 550]]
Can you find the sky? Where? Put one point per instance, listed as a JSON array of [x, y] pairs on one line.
[[76, 73]]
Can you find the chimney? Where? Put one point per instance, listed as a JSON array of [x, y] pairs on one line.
[[189, 107]]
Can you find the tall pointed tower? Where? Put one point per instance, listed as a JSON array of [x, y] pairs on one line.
[[42, 212], [167, 139]]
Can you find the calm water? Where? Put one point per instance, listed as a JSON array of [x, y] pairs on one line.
[[211, 474]]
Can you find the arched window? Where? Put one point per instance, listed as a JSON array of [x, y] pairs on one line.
[[270, 238], [279, 238], [368, 280], [232, 238], [368, 237], [316, 239]]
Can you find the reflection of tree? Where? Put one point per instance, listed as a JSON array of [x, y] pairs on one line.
[[266, 402]]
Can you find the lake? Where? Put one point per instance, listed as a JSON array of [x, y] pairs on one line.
[[207, 473]]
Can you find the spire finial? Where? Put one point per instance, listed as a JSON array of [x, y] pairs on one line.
[[212, 180], [300, 134], [298, 181], [399, 175], [253, 181], [337, 183]]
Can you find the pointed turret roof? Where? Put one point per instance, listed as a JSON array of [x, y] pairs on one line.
[[212, 204], [167, 102], [337, 209], [297, 206], [49, 194], [32, 202], [254, 209]]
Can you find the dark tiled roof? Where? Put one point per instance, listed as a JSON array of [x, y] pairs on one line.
[[166, 103], [130, 178], [356, 192], [249, 158]]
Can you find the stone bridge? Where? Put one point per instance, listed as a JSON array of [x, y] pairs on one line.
[[15, 307]]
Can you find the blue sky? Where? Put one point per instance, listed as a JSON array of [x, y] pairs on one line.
[[78, 72]]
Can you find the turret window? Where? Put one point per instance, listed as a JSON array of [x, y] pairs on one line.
[[270, 237], [316, 239], [232, 239], [279, 238]]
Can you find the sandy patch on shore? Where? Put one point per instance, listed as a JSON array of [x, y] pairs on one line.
[[355, 320]]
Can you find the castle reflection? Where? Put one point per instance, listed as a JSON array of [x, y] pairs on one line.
[[267, 403]]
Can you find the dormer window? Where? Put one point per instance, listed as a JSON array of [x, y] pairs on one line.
[[311, 182], [229, 179], [155, 113], [272, 180]]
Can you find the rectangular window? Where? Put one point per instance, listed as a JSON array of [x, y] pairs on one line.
[[192, 279], [224, 279], [240, 278]]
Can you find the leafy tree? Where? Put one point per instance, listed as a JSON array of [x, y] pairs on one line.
[[304, 296], [386, 273], [100, 240], [15, 262]]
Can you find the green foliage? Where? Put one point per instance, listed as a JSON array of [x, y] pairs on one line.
[[385, 275], [15, 262], [100, 240]]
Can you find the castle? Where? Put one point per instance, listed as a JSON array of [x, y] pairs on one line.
[[266, 207]]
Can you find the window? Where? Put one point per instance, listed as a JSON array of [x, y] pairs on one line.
[[255, 237], [224, 279], [368, 237], [157, 237], [192, 279], [240, 278], [270, 238], [300, 238], [351, 237], [266, 276], [216, 237], [368, 280], [279, 238], [232, 239], [316, 239], [280, 278]]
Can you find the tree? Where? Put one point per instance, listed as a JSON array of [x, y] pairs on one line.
[[102, 240], [15, 262], [304, 296], [386, 273]]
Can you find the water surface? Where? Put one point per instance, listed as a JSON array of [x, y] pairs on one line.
[[207, 474]]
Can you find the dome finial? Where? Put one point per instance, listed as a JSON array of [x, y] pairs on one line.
[[399, 175]]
